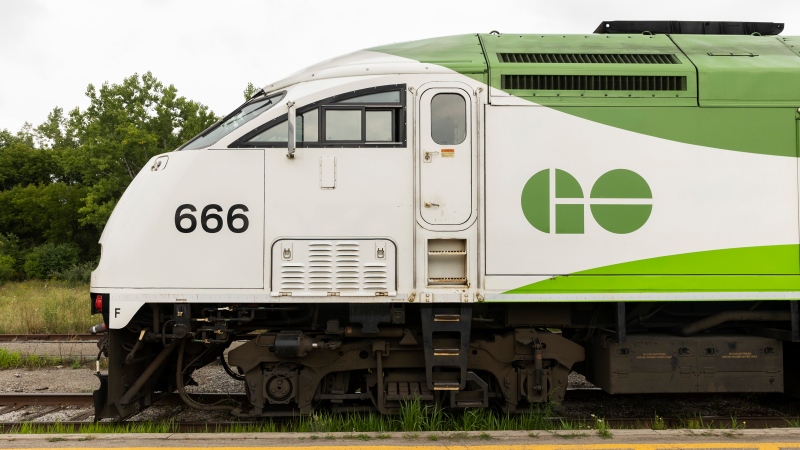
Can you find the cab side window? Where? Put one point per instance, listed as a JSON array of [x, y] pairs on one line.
[[372, 117]]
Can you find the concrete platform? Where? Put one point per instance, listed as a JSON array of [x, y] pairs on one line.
[[771, 439]]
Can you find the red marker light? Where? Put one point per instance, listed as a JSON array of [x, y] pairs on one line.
[[98, 303]]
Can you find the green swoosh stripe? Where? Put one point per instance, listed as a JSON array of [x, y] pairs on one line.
[[765, 131], [767, 268]]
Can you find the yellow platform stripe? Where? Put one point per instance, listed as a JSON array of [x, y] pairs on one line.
[[620, 446]]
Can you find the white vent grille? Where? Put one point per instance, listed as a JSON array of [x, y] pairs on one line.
[[320, 267], [363, 267]]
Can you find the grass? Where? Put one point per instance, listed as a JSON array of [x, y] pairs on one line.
[[34, 307], [17, 360], [573, 435], [415, 417]]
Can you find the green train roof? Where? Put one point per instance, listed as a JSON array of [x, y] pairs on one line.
[[623, 69]]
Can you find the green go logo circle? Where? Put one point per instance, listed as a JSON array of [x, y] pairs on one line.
[[618, 202]]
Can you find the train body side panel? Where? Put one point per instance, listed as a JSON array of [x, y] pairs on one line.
[[144, 248], [621, 211]]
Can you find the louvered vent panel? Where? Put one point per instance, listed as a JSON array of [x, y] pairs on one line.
[[347, 266], [320, 266], [593, 83], [334, 267], [587, 58], [292, 276], [375, 277]]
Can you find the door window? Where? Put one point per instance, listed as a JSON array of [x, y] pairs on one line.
[[448, 119]]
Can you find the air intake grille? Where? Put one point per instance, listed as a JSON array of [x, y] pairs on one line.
[[332, 267], [586, 58], [593, 83]]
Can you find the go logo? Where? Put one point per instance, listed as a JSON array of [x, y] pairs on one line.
[[620, 201]]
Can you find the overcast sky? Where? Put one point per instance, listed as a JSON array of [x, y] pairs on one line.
[[50, 50]]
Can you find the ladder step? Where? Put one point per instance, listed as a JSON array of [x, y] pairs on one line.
[[447, 317], [446, 352], [469, 404], [445, 337]]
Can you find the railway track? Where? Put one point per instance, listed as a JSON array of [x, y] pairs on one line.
[[50, 337], [79, 409]]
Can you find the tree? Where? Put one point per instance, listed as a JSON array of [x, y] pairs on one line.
[[124, 126], [250, 90], [21, 164], [60, 181]]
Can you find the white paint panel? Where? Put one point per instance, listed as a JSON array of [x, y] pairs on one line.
[[703, 198], [373, 199], [142, 248], [327, 172]]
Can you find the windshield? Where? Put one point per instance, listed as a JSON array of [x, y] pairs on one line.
[[232, 121]]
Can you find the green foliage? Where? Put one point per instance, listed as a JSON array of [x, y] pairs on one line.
[[10, 247], [47, 213], [77, 273], [43, 261], [18, 360], [250, 90], [22, 164], [59, 181], [602, 427], [124, 126], [7, 264]]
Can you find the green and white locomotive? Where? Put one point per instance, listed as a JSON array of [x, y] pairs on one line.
[[465, 220]]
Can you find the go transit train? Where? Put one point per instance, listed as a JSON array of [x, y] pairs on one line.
[[465, 220]]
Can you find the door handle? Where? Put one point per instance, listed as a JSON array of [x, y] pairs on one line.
[[428, 156]]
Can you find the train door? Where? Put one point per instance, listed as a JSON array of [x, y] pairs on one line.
[[446, 235], [445, 174]]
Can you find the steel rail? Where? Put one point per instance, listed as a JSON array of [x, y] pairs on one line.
[[84, 399]]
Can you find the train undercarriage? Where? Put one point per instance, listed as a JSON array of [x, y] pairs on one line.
[[295, 359]]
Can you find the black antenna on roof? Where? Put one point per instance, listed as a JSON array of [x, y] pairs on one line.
[[688, 27]]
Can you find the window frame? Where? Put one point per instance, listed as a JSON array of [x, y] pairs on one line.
[[278, 96], [399, 121]]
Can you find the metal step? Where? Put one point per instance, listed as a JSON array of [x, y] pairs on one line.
[[445, 352], [446, 335], [447, 317]]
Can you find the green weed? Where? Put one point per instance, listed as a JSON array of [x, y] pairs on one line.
[[573, 435], [658, 423], [602, 427]]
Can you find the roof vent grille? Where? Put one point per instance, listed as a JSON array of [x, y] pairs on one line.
[[587, 58], [593, 83]]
